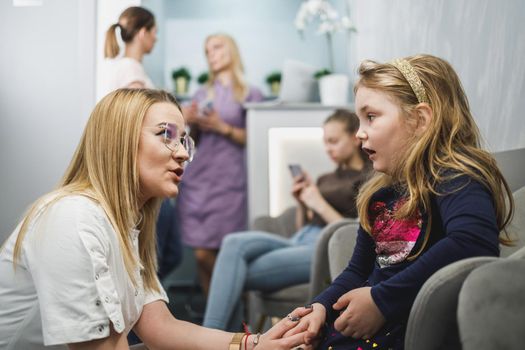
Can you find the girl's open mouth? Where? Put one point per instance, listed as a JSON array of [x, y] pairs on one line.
[[369, 151]]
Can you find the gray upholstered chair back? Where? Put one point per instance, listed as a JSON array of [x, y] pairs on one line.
[[491, 307], [516, 229], [512, 166], [340, 248], [433, 322]]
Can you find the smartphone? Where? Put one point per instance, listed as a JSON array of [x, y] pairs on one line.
[[296, 170], [205, 107]]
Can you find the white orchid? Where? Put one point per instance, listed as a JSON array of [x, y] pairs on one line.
[[323, 11]]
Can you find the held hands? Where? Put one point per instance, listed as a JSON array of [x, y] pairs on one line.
[[361, 317], [309, 325], [276, 339]]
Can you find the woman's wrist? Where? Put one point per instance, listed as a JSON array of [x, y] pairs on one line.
[[250, 342], [236, 342], [228, 132]]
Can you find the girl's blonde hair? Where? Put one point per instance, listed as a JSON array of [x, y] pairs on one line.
[[239, 85], [448, 148], [104, 168], [130, 22]]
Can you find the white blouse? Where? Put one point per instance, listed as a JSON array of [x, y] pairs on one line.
[[121, 72], [70, 281]]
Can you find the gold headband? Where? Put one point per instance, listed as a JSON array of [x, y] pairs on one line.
[[413, 79]]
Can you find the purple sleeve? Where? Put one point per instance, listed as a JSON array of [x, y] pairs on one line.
[[469, 228], [354, 275]]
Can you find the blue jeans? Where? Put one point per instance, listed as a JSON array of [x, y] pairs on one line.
[[255, 260]]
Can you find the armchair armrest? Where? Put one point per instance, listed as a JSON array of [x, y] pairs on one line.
[[320, 273]]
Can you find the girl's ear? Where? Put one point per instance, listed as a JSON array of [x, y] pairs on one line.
[[424, 116]]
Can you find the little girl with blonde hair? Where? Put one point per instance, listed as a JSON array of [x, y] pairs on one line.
[[437, 197]]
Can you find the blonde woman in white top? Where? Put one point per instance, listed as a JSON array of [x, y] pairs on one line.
[[137, 29], [79, 270]]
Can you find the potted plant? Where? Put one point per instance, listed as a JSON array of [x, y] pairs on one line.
[[321, 73], [274, 80], [203, 78], [181, 79]]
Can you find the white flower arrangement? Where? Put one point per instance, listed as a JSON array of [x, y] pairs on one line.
[[329, 20]]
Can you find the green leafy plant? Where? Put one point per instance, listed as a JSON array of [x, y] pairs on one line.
[[322, 72], [203, 78], [182, 72], [274, 77]]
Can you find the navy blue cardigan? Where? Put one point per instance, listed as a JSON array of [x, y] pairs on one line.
[[463, 225]]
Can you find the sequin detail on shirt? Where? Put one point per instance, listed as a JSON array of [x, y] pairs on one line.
[[394, 238]]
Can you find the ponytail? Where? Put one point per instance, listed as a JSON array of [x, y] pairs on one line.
[[111, 48]]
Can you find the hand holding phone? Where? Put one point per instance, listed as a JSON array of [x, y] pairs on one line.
[[205, 107], [296, 170]]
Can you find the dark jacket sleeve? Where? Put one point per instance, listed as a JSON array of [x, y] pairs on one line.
[[469, 229], [353, 276]]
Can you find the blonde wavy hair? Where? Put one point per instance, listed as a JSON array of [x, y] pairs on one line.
[[240, 87], [104, 168], [448, 148]]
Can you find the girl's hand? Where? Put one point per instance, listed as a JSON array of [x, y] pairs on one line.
[[361, 317], [191, 113], [310, 325], [274, 338]]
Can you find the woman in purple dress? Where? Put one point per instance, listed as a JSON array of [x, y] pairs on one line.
[[213, 202]]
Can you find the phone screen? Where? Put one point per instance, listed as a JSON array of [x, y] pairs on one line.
[[296, 170], [205, 107]]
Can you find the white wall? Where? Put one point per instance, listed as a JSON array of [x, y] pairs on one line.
[[484, 40], [47, 71], [264, 31]]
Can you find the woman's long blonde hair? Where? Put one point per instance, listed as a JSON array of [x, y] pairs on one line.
[[448, 148], [104, 168], [239, 85]]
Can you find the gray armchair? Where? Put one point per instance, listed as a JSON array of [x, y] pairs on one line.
[[340, 248], [491, 306], [277, 304], [432, 323]]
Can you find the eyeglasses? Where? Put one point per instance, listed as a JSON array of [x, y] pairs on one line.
[[172, 140]]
